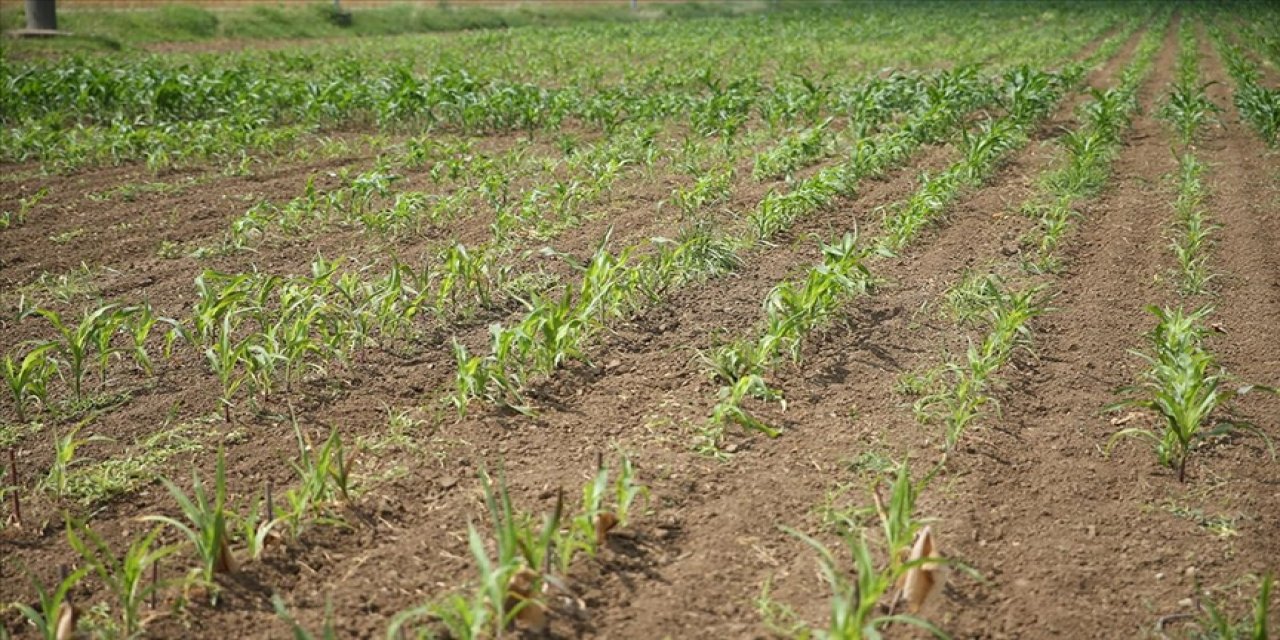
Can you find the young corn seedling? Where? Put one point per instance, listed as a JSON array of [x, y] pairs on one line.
[[77, 342], [589, 530], [206, 523], [1108, 112], [625, 492], [486, 378], [25, 207], [605, 287], [28, 379], [468, 278], [1188, 110], [218, 296], [974, 294], [126, 576], [1089, 154], [57, 617], [1261, 107], [730, 409], [258, 523], [984, 148], [555, 329], [1029, 94], [64, 457], [1188, 248], [793, 152], [586, 531], [910, 573], [1055, 219], [296, 342], [732, 362], [1257, 104], [325, 472], [390, 303], [262, 360], [225, 356], [1191, 228], [515, 583], [1183, 387], [324, 475], [142, 320], [709, 188], [108, 326]]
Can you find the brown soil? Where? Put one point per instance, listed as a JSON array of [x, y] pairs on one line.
[[1058, 527], [1070, 543]]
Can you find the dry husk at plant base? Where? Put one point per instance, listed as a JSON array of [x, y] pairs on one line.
[[533, 614], [68, 615], [924, 580], [605, 522]]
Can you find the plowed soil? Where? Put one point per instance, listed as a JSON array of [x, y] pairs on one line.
[[1069, 541]]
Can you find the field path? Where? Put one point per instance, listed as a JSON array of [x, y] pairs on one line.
[[725, 517], [1070, 542], [900, 331], [1076, 544]]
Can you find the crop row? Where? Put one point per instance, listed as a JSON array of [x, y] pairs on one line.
[[117, 109], [1256, 26], [956, 392], [794, 309], [554, 330], [1257, 104], [264, 336], [369, 201], [308, 86], [900, 570], [901, 567], [1188, 110], [295, 324], [1184, 384]]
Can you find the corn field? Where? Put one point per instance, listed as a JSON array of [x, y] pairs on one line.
[[804, 320]]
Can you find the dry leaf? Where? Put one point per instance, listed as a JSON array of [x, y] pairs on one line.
[[925, 579], [520, 593], [67, 618], [1125, 419], [605, 522], [272, 539], [226, 563]]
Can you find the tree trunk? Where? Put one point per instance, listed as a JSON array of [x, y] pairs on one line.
[[42, 15]]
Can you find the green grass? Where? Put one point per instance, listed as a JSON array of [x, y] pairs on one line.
[[97, 482], [101, 29]]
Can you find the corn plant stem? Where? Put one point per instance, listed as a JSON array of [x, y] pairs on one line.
[[13, 481]]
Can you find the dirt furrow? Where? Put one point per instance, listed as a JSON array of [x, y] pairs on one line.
[[1056, 527], [728, 515], [648, 395], [357, 400], [694, 566]]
